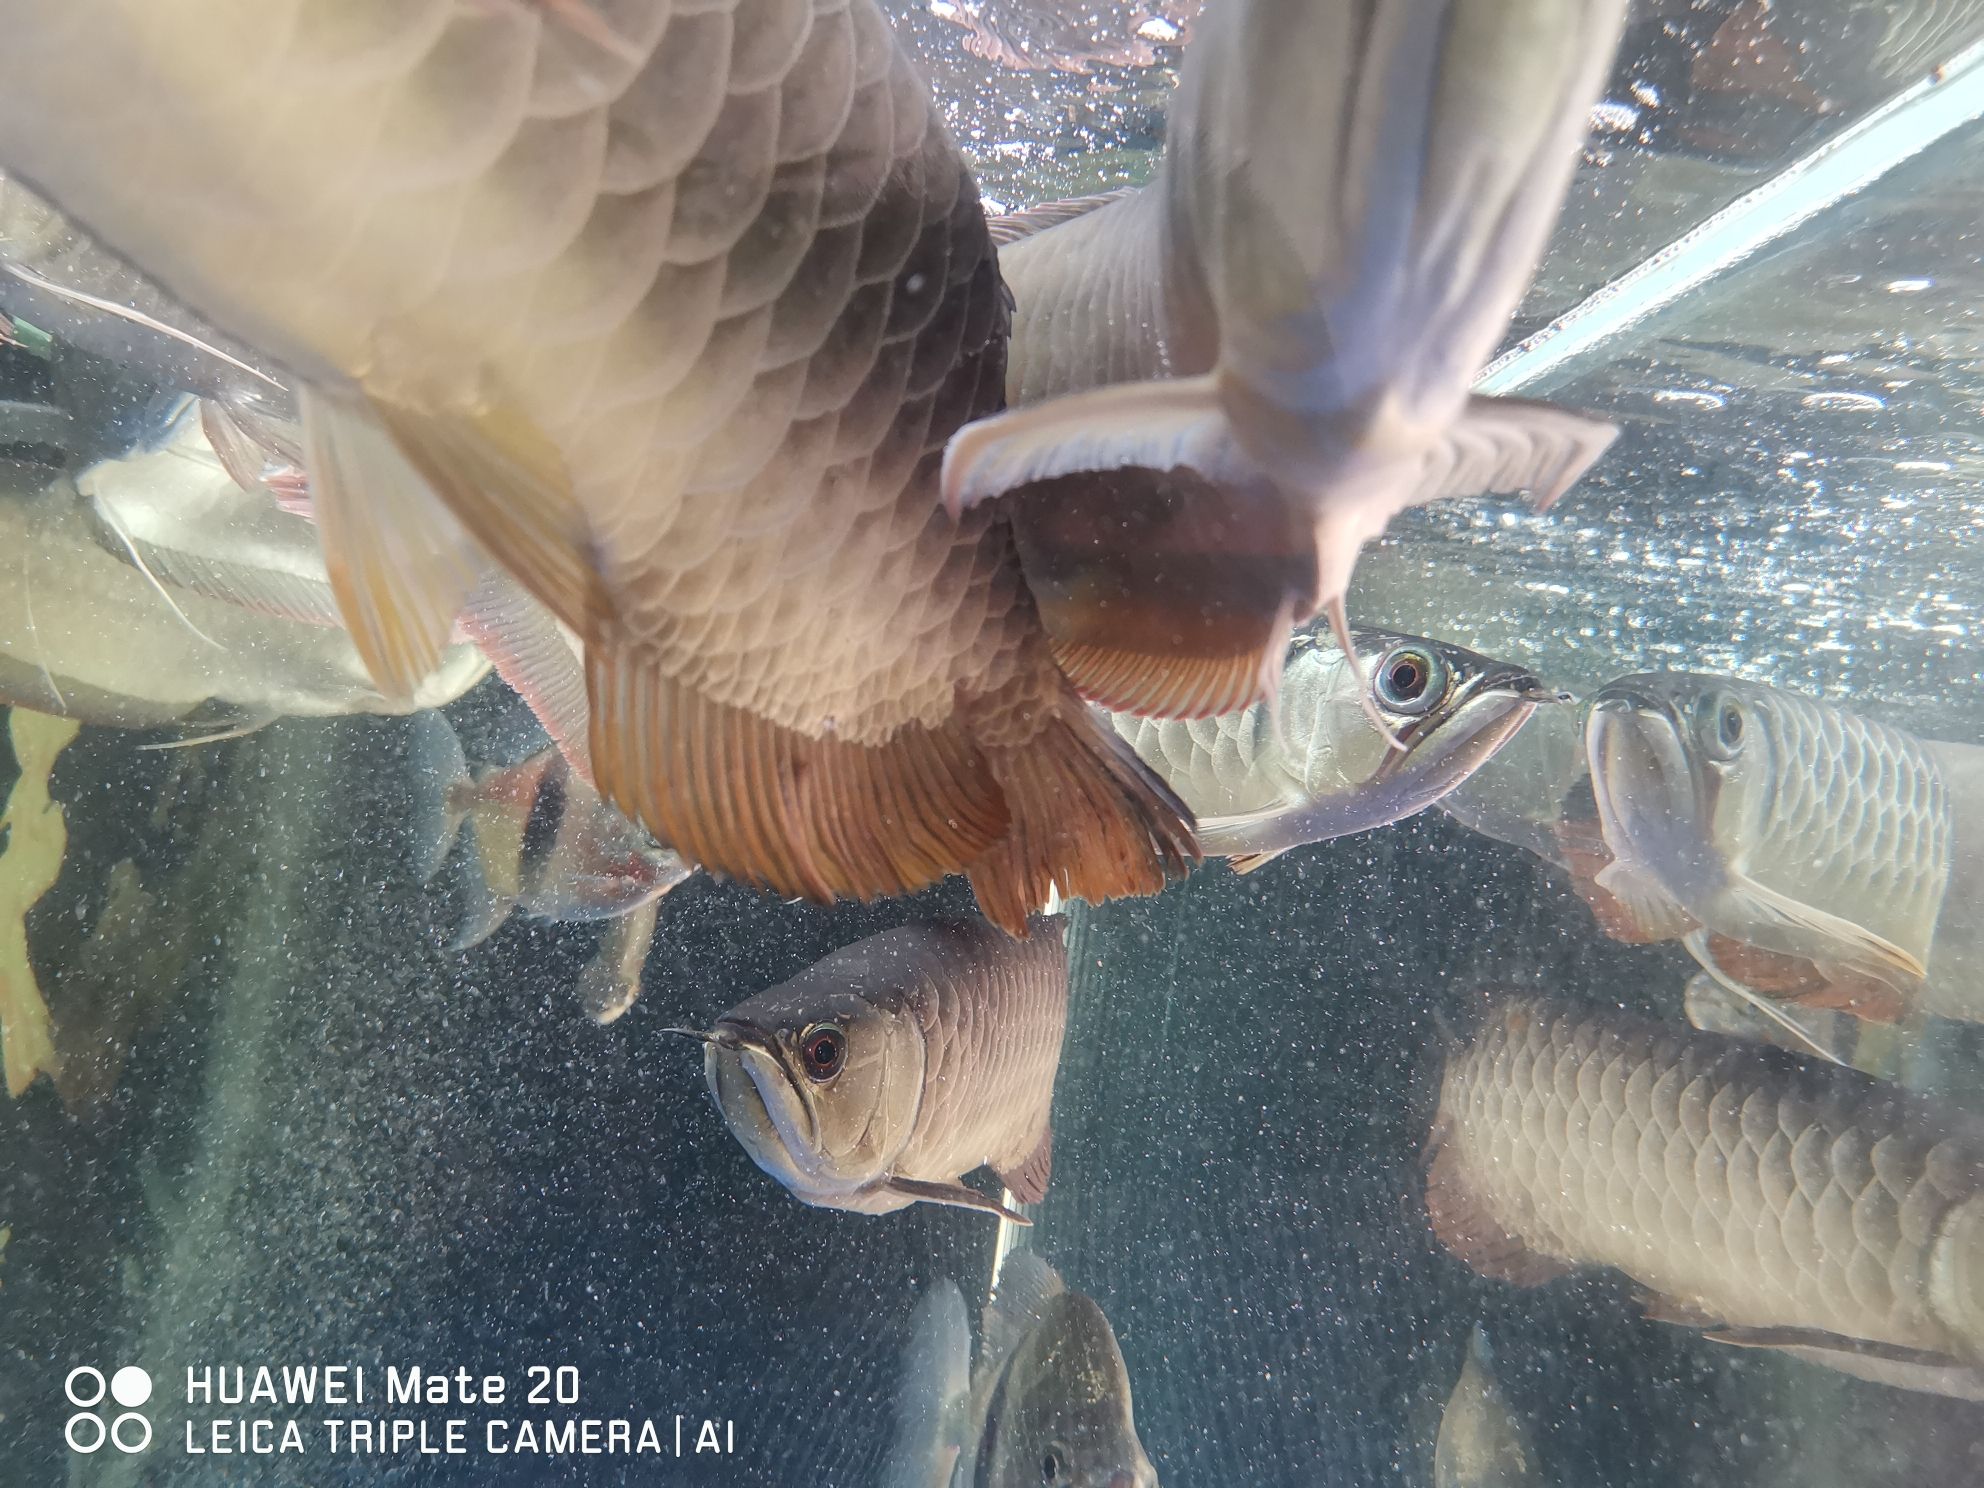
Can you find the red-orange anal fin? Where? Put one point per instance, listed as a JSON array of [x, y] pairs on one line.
[[1087, 818], [821, 819], [1027, 1180], [1469, 1229]]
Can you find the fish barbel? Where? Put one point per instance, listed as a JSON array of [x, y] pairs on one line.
[[1264, 780], [669, 310], [1284, 325], [1769, 1199], [1775, 822], [883, 1074]]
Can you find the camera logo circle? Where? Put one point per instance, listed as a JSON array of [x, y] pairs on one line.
[[87, 1430]]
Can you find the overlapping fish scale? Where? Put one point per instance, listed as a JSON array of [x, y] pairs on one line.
[[1751, 1186]]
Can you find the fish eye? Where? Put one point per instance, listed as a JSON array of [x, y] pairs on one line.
[[1050, 1464], [824, 1048], [1409, 679], [1726, 728]]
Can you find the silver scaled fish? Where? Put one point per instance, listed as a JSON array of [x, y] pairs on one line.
[[885, 1073], [1769, 1199], [669, 310], [1264, 780], [1801, 849], [1048, 1399], [1285, 323]]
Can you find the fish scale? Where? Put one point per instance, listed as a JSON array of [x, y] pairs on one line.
[[1742, 1186], [673, 307]]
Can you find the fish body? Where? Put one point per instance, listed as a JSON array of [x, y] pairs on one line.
[[1481, 1444], [669, 311], [1054, 1390], [1263, 780], [1773, 1200], [543, 841], [1776, 823], [886, 1072], [1353, 199]]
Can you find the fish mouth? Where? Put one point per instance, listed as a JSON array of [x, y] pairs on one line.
[[1486, 710], [1652, 796], [760, 1095]]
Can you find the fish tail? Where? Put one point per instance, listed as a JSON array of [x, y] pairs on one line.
[[441, 787], [1089, 819]]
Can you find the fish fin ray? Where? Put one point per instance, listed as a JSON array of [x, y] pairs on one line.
[[1514, 444], [1631, 907], [1467, 1228], [1010, 227], [1020, 1294], [1890, 1364], [399, 561], [1870, 952], [954, 1195], [1148, 684], [1027, 1179], [1087, 818], [1153, 425], [506, 482], [1699, 944], [1249, 862], [523, 641], [814, 818]]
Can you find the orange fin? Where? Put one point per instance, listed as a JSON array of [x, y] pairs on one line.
[[1468, 1229], [1163, 593], [1088, 819], [822, 819], [1027, 1180]]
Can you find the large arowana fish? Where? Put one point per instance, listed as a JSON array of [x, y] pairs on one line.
[[1769, 1199], [669, 310]]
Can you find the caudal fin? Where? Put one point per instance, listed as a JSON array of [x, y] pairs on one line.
[[440, 791]]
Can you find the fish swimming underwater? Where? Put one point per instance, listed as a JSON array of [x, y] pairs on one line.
[[669, 311], [1263, 780], [1353, 198], [1481, 1444], [546, 844], [97, 624], [884, 1073], [1771, 1200], [1813, 847], [1049, 1397]]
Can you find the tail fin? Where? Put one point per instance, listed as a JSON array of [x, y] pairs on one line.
[[440, 791], [1088, 819], [936, 1386]]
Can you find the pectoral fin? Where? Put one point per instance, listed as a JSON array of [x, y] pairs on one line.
[[529, 650], [1859, 948], [1514, 444], [956, 1195], [399, 562], [1027, 1179], [1883, 1363], [1158, 425]]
